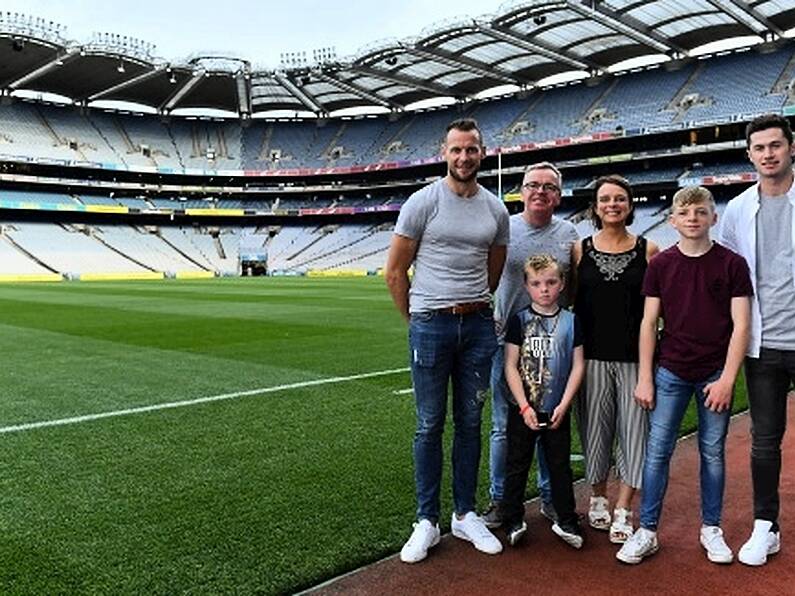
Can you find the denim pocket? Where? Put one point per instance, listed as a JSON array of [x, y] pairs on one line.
[[423, 341], [486, 314], [421, 317]]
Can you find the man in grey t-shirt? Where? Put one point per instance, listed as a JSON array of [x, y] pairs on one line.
[[533, 231], [758, 225], [455, 234]]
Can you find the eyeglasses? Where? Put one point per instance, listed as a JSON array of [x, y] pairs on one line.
[[546, 187]]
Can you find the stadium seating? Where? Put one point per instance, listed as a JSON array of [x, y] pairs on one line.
[[737, 84], [649, 93], [146, 248], [13, 259], [748, 82], [70, 249], [720, 169]]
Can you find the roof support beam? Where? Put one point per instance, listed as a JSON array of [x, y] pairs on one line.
[[626, 25], [667, 21], [243, 86], [404, 80], [303, 96], [128, 83], [182, 91], [358, 91], [536, 47], [463, 63], [59, 60], [748, 13]]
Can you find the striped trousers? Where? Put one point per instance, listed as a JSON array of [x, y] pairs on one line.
[[608, 414]]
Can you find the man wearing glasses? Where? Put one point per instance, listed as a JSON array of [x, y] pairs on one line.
[[533, 231]]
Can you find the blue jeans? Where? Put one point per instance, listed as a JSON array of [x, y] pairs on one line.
[[498, 440], [443, 348], [672, 396]]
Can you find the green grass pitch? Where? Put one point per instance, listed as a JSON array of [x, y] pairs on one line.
[[266, 493]]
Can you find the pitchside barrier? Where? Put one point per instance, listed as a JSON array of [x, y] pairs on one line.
[[136, 275], [338, 273], [31, 277]]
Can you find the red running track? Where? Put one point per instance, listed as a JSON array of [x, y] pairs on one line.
[[544, 564]]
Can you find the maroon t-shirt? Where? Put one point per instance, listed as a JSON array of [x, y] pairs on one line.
[[695, 297]]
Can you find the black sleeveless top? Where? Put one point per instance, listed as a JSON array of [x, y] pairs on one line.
[[609, 302]]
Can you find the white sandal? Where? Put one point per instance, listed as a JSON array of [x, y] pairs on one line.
[[621, 528], [599, 514]]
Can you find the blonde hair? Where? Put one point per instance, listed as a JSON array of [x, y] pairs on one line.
[[542, 262], [693, 195]]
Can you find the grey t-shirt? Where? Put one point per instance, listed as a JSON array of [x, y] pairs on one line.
[[557, 239], [774, 272], [454, 235]]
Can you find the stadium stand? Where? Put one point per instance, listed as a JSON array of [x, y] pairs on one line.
[[660, 98], [38, 197], [146, 247], [736, 84], [70, 249], [14, 260], [98, 200], [703, 90], [649, 94], [720, 169], [29, 134]]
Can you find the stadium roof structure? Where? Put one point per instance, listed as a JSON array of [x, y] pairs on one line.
[[520, 45]]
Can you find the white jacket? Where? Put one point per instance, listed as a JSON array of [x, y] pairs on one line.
[[738, 232]]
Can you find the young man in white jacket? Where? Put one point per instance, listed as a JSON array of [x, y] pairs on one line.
[[758, 224]]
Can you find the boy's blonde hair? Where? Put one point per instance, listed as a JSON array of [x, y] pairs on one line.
[[693, 195], [542, 262]]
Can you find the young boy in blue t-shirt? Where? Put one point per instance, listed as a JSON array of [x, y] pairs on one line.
[[544, 365]]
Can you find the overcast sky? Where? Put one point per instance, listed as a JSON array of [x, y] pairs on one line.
[[257, 31]]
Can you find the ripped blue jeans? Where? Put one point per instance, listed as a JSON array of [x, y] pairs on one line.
[[447, 348]]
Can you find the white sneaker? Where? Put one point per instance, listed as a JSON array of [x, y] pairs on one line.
[[424, 536], [598, 514], [473, 529], [571, 536], [717, 549], [640, 545], [516, 532], [621, 528], [762, 543]]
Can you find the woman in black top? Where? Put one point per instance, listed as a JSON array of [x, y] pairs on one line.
[[610, 266]]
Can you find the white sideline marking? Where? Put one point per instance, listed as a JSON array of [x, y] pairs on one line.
[[199, 400], [403, 391]]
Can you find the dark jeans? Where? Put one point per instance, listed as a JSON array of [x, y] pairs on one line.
[[768, 379], [498, 441], [557, 449]]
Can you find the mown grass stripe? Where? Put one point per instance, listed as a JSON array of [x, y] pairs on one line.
[[193, 402]]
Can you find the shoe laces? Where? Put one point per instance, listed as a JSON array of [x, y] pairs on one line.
[[476, 525], [419, 533], [713, 533], [642, 538]]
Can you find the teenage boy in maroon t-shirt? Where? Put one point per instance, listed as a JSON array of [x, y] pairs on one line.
[[702, 292]]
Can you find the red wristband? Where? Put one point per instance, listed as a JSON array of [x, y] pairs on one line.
[[524, 409]]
